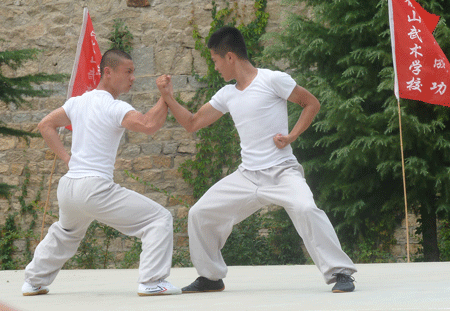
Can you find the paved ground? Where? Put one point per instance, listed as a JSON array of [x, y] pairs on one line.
[[402, 286]]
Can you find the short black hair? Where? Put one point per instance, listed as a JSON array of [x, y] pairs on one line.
[[228, 39], [112, 58]]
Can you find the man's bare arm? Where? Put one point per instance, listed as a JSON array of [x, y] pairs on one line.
[[205, 116], [311, 107], [48, 128], [149, 122]]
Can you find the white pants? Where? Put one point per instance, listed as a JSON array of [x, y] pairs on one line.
[[84, 199], [242, 193]]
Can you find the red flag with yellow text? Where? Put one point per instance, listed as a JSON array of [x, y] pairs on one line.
[[421, 67], [86, 69]]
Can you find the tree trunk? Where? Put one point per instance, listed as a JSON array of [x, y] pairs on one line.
[[429, 233]]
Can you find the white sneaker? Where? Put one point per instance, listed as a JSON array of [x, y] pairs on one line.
[[161, 287], [30, 290]]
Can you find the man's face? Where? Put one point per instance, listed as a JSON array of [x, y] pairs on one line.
[[222, 65], [123, 76]]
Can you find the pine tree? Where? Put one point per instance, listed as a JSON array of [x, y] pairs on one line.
[[16, 90], [341, 52]]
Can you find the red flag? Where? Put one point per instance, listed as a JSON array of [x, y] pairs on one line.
[[86, 69], [421, 67], [429, 19]]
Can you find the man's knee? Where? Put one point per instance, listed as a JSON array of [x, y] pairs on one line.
[[197, 214], [304, 208]]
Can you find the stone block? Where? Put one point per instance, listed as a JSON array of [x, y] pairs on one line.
[[144, 101], [4, 169], [138, 3], [8, 142], [180, 133], [37, 143], [130, 151], [170, 148], [123, 164], [163, 134], [162, 161], [142, 163], [135, 138], [144, 62], [17, 168], [144, 84], [152, 148], [172, 174], [188, 147], [151, 176], [11, 180], [138, 187]]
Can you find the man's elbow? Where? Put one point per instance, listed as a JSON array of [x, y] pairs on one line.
[[42, 126], [152, 127], [317, 107]]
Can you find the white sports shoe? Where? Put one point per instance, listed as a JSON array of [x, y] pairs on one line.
[[161, 287], [30, 290]]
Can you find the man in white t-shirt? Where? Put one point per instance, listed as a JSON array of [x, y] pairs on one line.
[[87, 192], [269, 173]]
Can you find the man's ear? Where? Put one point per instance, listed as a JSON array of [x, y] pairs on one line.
[[230, 57], [107, 71]]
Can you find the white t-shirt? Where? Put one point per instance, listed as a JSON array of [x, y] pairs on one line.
[[259, 113], [96, 119]]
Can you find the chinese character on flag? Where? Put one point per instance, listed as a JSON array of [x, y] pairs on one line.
[[422, 71], [86, 69]]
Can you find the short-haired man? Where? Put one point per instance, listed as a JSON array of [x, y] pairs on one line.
[[269, 172], [87, 192]]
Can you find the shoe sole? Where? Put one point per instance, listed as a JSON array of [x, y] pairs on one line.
[[160, 293], [157, 294], [341, 291], [204, 291], [40, 292]]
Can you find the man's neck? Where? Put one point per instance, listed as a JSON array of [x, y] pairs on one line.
[[245, 75], [102, 86]]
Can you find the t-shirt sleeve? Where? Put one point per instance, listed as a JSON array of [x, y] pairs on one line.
[[68, 105], [218, 101], [120, 109], [283, 84]]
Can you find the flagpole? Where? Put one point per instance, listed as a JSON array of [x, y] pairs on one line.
[[404, 179]]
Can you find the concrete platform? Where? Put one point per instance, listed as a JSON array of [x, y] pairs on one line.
[[401, 286]]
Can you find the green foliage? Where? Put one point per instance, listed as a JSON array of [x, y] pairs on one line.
[[16, 229], [341, 52], [248, 245], [218, 152], [121, 38], [91, 254], [373, 247], [8, 234], [17, 89], [132, 256], [444, 240], [5, 190]]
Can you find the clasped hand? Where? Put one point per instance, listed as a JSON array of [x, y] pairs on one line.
[[165, 86]]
